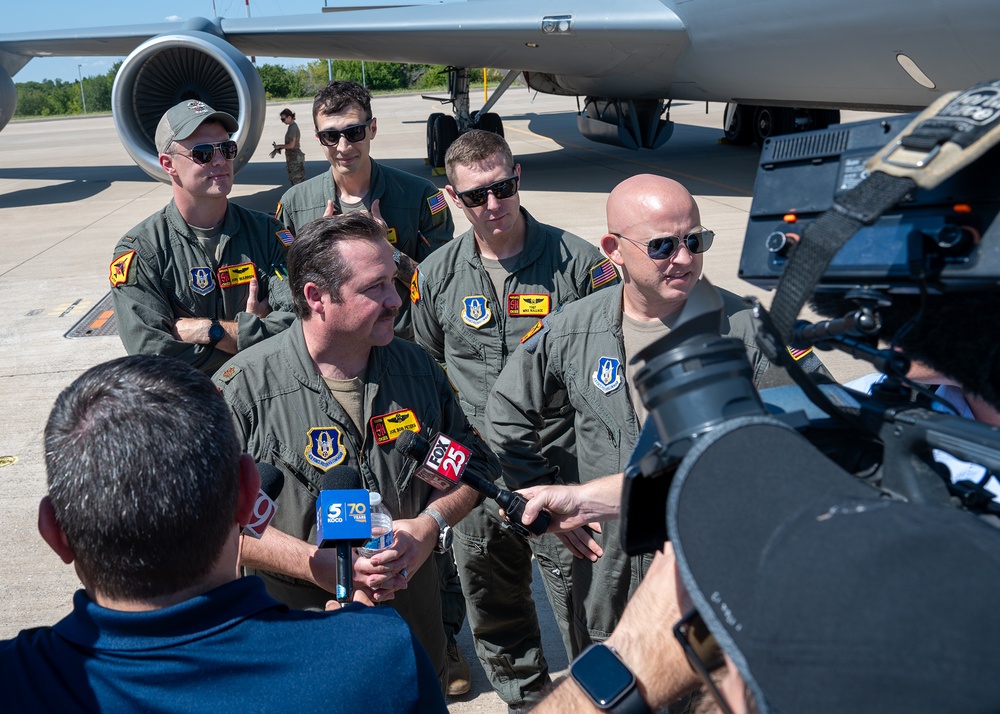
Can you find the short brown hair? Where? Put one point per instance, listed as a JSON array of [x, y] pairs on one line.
[[474, 147], [340, 95]]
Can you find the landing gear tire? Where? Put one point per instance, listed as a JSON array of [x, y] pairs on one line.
[[825, 117], [443, 132], [741, 128], [772, 121], [488, 122], [430, 132]]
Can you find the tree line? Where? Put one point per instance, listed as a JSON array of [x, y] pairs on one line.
[[58, 97]]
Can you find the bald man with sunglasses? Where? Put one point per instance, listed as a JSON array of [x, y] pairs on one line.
[[203, 278], [576, 362]]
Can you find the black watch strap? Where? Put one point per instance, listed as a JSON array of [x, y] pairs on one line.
[[626, 700], [215, 333]]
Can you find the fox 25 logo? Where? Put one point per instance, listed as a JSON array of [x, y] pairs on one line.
[[355, 511]]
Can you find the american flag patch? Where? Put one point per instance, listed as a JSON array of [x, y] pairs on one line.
[[437, 203], [285, 236], [799, 354], [602, 273]]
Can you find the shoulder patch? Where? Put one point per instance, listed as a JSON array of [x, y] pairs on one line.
[[121, 269], [437, 202], [799, 354], [533, 337], [277, 212], [229, 373], [391, 235], [415, 286], [285, 236], [602, 273]]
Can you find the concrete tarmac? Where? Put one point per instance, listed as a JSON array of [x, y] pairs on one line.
[[69, 191]]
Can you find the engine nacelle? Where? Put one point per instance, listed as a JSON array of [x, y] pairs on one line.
[[8, 98], [192, 64]]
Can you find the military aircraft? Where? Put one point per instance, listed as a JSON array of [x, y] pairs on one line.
[[780, 65]]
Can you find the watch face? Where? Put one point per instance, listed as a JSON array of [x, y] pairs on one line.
[[602, 675], [216, 332], [446, 537]]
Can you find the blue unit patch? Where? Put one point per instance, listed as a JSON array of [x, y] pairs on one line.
[[475, 311], [202, 280], [608, 376], [326, 447]]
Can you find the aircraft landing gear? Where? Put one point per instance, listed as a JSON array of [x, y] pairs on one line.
[[772, 121], [744, 124], [442, 130], [739, 124]]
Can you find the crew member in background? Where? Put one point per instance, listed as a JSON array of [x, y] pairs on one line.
[[295, 159], [473, 302], [414, 210], [202, 278], [577, 362], [338, 388]]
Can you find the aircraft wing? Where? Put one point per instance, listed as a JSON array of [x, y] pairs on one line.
[[598, 38]]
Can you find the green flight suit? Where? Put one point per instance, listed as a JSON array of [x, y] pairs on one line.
[[160, 273], [284, 412], [576, 362], [415, 211], [472, 331]]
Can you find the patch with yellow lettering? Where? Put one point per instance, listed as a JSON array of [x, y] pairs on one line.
[[388, 427], [390, 235], [528, 305], [325, 448], [415, 287], [120, 268], [233, 275]]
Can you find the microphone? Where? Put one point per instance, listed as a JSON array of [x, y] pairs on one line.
[[441, 463], [343, 521], [271, 483]]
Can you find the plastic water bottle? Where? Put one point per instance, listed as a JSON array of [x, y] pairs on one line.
[[381, 527]]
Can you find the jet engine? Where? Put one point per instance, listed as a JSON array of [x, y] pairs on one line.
[[8, 98], [191, 64]]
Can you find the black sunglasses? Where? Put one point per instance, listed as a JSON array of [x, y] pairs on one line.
[[204, 153], [478, 196], [703, 653], [697, 241], [331, 137]]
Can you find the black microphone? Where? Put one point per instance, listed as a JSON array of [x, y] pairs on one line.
[[271, 483], [342, 522], [442, 463]]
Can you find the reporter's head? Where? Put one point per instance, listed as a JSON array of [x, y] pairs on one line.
[[143, 477]]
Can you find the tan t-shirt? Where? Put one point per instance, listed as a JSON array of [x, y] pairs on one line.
[[350, 393], [638, 335]]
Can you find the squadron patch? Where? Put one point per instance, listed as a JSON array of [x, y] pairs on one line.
[[120, 268], [527, 305], [475, 311], [326, 447], [532, 332], [415, 287], [202, 280], [232, 275], [608, 376], [285, 236], [388, 427], [390, 235], [602, 273], [437, 202]]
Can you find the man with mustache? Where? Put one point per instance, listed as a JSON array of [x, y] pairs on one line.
[[337, 388]]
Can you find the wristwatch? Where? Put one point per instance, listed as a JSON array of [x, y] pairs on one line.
[[445, 533], [215, 333], [607, 681]]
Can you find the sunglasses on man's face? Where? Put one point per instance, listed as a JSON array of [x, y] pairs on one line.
[[204, 153], [703, 653], [354, 134], [697, 241], [478, 196]]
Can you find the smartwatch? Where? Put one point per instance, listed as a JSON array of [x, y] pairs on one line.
[[445, 533], [215, 333], [607, 681]]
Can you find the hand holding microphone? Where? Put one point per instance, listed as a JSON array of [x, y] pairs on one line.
[[442, 463]]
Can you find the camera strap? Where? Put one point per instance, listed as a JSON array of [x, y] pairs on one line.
[[950, 134]]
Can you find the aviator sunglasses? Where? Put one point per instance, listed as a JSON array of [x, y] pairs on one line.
[[703, 654], [478, 196], [697, 241], [204, 153], [354, 134]]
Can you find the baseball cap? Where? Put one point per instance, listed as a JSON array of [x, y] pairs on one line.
[[182, 119], [826, 595]]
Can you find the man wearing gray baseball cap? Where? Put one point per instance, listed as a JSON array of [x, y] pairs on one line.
[[203, 278]]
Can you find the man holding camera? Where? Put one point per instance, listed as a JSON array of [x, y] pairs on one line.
[[578, 361], [198, 280]]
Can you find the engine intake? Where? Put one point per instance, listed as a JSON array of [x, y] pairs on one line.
[[169, 69]]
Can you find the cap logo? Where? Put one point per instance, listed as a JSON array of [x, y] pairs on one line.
[[196, 106]]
